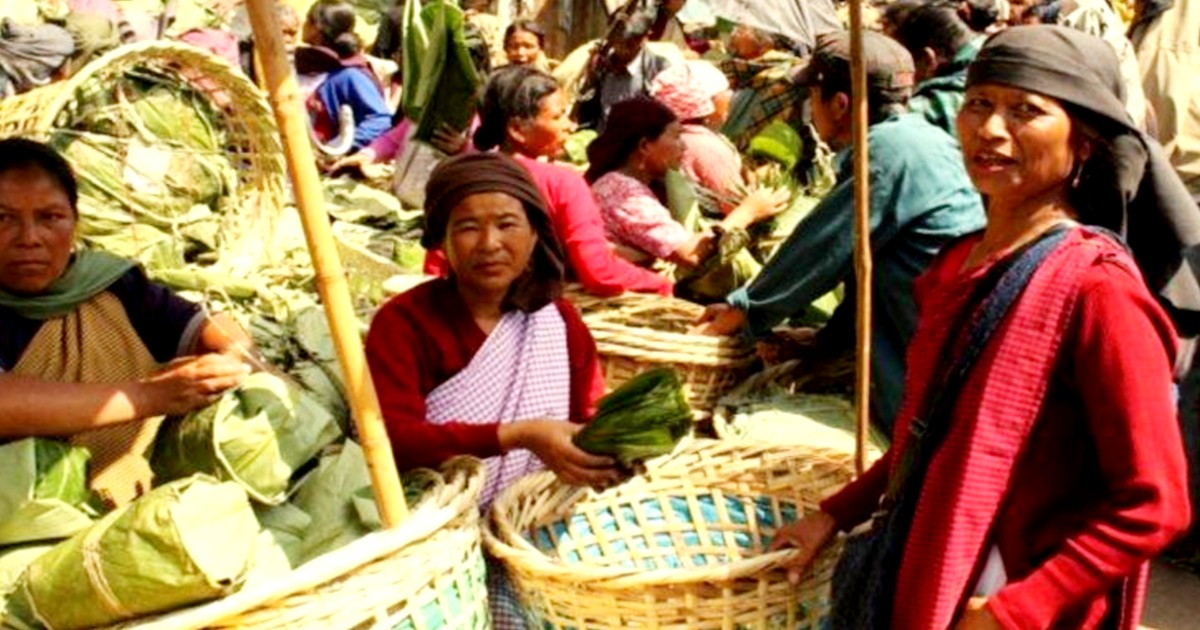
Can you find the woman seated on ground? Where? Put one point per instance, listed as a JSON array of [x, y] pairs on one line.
[[525, 44], [435, 351], [1051, 471], [525, 115], [84, 336], [629, 166], [699, 95], [334, 74]]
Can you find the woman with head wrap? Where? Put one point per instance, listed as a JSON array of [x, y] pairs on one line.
[[489, 361], [1028, 484], [435, 351], [629, 163], [699, 96]]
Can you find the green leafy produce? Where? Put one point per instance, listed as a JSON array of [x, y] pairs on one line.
[[257, 435], [643, 418], [182, 543], [45, 494], [443, 77]]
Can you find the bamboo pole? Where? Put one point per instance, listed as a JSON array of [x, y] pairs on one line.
[[284, 94], [862, 232]]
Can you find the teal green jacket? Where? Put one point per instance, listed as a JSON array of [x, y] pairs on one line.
[[939, 99], [921, 199]]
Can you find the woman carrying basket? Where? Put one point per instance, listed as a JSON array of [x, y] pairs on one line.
[[1037, 464]]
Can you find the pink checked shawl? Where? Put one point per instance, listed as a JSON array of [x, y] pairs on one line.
[[520, 373], [969, 476]]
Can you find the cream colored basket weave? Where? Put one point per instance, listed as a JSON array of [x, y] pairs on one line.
[[426, 573], [640, 333], [684, 546]]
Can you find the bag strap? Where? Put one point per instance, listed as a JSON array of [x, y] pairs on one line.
[[995, 295]]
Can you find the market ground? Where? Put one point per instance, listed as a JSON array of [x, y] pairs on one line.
[[1174, 599]]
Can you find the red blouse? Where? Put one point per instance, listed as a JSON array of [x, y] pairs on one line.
[[421, 339]]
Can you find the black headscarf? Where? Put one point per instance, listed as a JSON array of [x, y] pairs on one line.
[[629, 122], [1129, 188], [459, 177]]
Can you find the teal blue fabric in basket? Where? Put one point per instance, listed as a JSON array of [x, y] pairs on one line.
[[578, 529], [457, 595]]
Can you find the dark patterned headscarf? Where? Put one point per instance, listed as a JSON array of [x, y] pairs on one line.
[[459, 177], [1129, 186]]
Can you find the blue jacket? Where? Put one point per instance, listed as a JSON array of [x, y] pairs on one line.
[[352, 86], [921, 199]]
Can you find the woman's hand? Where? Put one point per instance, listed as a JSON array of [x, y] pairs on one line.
[[551, 441], [356, 162], [449, 141], [761, 204], [977, 616], [719, 320], [187, 384], [809, 536]]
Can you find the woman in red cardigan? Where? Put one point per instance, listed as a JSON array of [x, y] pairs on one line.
[[488, 361], [1061, 471]]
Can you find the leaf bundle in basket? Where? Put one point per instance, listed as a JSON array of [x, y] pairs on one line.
[[643, 418]]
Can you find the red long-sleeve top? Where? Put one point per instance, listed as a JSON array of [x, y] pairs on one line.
[[1102, 486], [580, 230], [421, 339]]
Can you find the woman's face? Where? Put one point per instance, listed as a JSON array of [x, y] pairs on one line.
[[37, 230], [489, 242], [1015, 143], [545, 134], [665, 152], [522, 48]]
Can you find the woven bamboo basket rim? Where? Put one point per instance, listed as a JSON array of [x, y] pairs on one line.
[[232, 94], [635, 330], [542, 490], [453, 504]]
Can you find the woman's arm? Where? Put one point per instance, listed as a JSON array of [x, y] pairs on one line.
[[31, 406], [1121, 359]]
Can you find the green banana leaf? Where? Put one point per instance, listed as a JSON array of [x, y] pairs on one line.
[[327, 495], [257, 435], [44, 495], [443, 90], [13, 562], [186, 542]]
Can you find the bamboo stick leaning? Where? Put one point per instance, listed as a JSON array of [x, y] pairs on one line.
[[284, 95]]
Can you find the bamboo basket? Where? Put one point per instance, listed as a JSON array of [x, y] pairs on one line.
[[252, 144], [682, 547], [651, 331], [814, 416], [426, 573]]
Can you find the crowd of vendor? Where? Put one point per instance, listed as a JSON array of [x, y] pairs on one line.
[[1033, 214]]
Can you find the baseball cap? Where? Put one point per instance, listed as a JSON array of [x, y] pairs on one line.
[[890, 70]]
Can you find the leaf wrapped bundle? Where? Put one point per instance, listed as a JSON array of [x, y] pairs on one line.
[[256, 435], [643, 418], [182, 543]]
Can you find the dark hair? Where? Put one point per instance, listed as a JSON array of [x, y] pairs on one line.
[[512, 92], [334, 21], [881, 104], [525, 25], [629, 122], [388, 42], [1094, 190], [935, 25], [23, 153], [981, 14]]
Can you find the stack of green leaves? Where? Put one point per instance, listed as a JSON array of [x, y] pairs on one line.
[[643, 418], [257, 435], [44, 495]]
